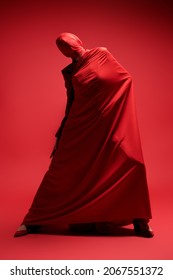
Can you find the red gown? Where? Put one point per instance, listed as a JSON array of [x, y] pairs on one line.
[[97, 173]]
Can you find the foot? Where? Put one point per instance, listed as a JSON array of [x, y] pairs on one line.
[[24, 230], [142, 228], [21, 231]]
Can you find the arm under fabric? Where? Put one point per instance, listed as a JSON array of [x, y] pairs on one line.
[[67, 72]]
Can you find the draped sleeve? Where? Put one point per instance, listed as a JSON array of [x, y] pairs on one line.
[[67, 73]]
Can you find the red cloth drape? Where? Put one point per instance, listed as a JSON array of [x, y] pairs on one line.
[[97, 173]]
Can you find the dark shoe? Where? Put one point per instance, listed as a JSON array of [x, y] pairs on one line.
[[142, 228], [21, 232], [27, 230]]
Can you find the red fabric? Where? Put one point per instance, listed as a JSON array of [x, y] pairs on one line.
[[97, 173], [70, 45]]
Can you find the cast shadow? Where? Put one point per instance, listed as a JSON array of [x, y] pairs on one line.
[[89, 230]]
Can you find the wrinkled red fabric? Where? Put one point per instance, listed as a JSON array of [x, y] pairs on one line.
[[97, 173], [70, 45]]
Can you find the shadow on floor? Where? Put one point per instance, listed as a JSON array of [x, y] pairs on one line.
[[99, 229]]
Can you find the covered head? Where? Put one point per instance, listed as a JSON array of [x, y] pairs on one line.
[[70, 45]]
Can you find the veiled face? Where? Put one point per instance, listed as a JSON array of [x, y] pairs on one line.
[[66, 50], [70, 45]]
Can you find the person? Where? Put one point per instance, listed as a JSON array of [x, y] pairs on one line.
[[97, 173]]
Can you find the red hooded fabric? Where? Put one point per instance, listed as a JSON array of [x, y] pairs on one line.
[[70, 45], [97, 173]]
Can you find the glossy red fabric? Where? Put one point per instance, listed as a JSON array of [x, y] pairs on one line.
[[97, 173]]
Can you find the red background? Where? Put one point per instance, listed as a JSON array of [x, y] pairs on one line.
[[32, 103]]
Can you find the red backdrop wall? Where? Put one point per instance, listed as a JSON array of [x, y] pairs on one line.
[[32, 94]]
